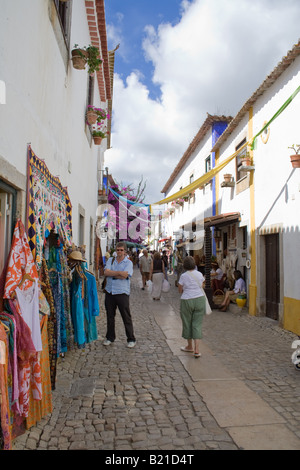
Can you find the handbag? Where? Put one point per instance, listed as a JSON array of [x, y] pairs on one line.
[[165, 286], [207, 305]]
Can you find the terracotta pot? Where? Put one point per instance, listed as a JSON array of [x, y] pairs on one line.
[[91, 117], [97, 140], [295, 160], [246, 161], [77, 60], [227, 177]]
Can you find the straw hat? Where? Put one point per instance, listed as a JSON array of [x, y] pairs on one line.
[[76, 256]]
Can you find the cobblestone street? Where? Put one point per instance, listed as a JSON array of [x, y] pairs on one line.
[[155, 397]]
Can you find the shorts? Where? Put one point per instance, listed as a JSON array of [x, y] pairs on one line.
[[192, 312]]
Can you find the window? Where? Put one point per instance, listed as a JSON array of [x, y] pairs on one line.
[[208, 164], [240, 174], [192, 178], [64, 15], [60, 19], [81, 229]]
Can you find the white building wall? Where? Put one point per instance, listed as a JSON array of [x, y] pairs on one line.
[[202, 204], [277, 184], [46, 101], [276, 189]]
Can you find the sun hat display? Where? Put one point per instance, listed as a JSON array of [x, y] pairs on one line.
[[76, 256]]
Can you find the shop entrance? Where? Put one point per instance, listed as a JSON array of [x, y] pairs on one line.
[[8, 197], [272, 275]]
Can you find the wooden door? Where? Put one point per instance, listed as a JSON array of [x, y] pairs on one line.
[[272, 275]]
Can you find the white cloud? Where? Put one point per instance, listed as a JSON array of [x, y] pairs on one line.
[[211, 61]]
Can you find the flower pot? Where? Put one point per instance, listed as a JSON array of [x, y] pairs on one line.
[[227, 177], [91, 117], [295, 160], [79, 58], [97, 140], [246, 161], [241, 302]]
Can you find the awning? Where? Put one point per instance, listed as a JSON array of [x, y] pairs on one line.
[[222, 219]]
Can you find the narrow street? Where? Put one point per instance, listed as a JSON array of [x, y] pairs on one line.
[[243, 393]]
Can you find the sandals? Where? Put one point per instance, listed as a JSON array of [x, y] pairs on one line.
[[186, 350], [197, 355]]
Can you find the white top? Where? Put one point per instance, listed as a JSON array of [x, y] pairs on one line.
[[218, 272], [29, 306], [191, 281], [239, 286]]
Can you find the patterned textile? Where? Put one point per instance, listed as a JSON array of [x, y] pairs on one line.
[[65, 275], [49, 207], [77, 310], [20, 260], [40, 408], [91, 307], [27, 362], [6, 442], [84, 306], [52, 325]]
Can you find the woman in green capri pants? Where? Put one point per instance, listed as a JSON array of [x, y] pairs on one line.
[[192, 305]]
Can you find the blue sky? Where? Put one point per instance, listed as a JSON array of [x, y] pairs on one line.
[[129, 18], [179, 60]]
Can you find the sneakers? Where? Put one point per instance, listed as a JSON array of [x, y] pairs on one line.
[[130, 344]]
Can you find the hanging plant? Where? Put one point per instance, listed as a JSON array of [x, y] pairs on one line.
[[89, 56], [79, 57], [91, 115], [99, 133]]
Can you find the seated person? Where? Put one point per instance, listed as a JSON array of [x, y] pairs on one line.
[[231, 295], [216, 275]]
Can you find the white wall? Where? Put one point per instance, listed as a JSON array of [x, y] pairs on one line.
[[46, 102], [203, 197]]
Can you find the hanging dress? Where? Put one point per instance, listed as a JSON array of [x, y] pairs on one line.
[[38, 409], [5, 434], [29, 306]]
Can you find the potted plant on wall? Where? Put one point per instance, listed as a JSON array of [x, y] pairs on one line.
[[99, 133], [227, 177], [79, 57], [89, 56], [91, 115], [246, 159], [295, 158]]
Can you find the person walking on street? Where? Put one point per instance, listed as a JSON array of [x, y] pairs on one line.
[[157, 275], [192, 305], [166, 262], [145, 266], [118, 272]]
